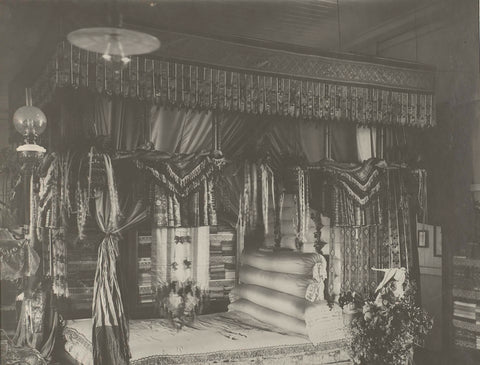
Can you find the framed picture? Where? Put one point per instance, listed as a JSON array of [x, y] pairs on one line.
[[422, 238], [437, 242]]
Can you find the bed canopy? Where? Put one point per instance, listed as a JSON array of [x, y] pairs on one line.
[[234, 88], [195, 72], [193, 86]]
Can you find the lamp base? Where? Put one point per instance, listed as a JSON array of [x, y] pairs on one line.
[[29, 156]]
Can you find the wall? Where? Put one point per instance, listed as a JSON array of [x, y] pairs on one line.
[[450, 42], [431, 281], [451, 45], [444, 35]]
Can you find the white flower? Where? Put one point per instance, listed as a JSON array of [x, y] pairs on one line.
[[174, 301], [190, 303]]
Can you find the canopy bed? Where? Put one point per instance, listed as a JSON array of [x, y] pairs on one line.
[[186, 140], [236, 336]]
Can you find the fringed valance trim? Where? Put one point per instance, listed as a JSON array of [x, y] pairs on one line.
[[191, 180], [190, 85], [360, 182]]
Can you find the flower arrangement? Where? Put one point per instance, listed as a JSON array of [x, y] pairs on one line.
[[350, 300], [178, 304], [388, 328]]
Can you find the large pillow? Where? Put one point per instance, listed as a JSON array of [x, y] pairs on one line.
[[320, 325], [280, 320], [292, 284], [298, 263], [278, 301]]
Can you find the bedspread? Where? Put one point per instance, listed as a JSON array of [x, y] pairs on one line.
[[228, 336]]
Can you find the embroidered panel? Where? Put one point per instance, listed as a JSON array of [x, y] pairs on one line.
[[180, 269]]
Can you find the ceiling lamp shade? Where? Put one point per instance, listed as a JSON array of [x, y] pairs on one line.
[[116, 43], [29, 121]]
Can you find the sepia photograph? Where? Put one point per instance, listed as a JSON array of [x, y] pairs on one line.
[[268, 182]]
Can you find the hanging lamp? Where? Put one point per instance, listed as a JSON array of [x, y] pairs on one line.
[[114, 43]]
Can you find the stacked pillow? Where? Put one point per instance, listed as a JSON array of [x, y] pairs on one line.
[[285, 289]]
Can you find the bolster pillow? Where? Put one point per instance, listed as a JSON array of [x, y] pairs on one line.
[[266, 315], [284, 303], [298, 263], [295, 285], [275, 300]]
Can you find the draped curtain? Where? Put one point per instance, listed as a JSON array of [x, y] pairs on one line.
[[17, 258], [392, 144], [353, 251], [110, 327], [366, 147], [37, 325], [129, 123], [246, 135], [373, 212], [400, 222], [282, 141], [197, 209], [235, 132], [180, 130], [228, 189]]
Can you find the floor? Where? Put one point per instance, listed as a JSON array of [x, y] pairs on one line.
[[459, 357]]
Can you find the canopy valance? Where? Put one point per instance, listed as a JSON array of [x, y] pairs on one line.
[[287, 84]]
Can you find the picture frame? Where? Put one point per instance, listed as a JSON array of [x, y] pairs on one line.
[[422, 239], [437, 243]]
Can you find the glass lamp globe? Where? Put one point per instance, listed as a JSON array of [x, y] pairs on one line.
[[29, 120]]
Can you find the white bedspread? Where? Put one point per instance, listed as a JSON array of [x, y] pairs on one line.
[[220, 333]]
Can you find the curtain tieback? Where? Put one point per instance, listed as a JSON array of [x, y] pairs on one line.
[[113, 235], [110, 242]]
